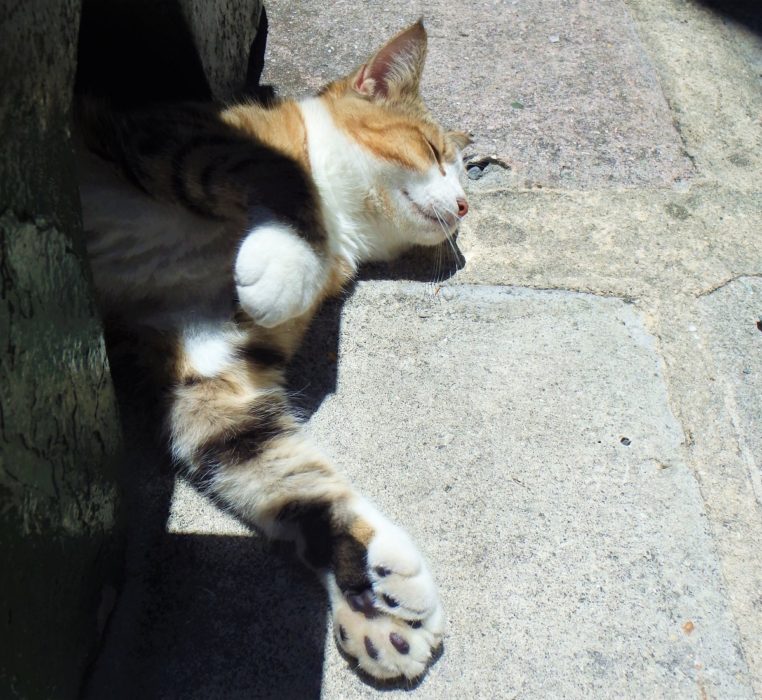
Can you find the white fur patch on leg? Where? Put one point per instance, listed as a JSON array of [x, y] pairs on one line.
[[210, 349], [278, 275]]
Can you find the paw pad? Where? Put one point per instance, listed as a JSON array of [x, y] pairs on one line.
[[371, 649], [399, 643], [363, 602]]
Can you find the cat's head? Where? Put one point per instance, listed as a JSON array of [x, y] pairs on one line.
[[413, 164]]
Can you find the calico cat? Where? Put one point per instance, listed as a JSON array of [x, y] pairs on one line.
[[214, 235]]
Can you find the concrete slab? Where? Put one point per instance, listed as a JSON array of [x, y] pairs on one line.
[[562, 94], [525, 438], [731, 473], [711, 85], [702, 341]]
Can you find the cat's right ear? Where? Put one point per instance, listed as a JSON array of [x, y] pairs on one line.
[[396, 68]]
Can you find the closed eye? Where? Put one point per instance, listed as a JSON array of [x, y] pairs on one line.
[[437, 156], [434, 150]]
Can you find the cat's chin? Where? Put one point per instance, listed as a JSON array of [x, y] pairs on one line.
[[432, 235]]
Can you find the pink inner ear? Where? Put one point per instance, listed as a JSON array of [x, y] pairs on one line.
[[400, 61], [360, 79], [375, 73], [379, 71]]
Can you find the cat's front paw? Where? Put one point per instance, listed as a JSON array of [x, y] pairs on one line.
[[278, 276], [394, 627]]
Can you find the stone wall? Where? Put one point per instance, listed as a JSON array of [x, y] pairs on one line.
[[59, 431]]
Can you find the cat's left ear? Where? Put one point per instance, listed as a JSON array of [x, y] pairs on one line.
[[396, 68]]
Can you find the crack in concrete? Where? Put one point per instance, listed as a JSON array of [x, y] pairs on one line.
[[572, 290], [725, 283]]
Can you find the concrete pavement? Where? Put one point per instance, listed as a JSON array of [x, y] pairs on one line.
[[569, 425]]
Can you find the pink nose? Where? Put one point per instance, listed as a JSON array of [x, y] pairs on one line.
[[462, 207]]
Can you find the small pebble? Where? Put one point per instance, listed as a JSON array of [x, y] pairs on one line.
[[474, 172], [554, 38]]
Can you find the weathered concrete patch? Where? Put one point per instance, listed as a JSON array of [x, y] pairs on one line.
[[628, 244], [561, 92], [526, 441]]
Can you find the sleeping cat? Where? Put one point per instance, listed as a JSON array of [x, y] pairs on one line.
[[214, 235]]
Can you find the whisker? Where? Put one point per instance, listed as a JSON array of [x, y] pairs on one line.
[[448, 237]]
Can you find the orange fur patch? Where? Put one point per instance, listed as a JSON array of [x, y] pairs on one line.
[[402, 131]]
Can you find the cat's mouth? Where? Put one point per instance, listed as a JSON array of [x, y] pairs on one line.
[[431, 217]]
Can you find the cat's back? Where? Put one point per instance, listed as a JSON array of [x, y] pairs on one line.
[[163, 203]]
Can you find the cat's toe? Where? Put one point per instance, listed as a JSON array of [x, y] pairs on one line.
[[276, 296], [400, 578], [270, 302]]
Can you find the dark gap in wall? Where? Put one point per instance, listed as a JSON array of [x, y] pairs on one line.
[[134, 52]]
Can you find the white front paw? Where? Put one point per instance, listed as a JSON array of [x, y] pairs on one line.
[[278, 276]]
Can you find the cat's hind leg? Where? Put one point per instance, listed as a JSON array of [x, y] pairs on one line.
[[231, 427]]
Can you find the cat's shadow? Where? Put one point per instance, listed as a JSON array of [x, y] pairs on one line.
[[201, 613], [312, 375]]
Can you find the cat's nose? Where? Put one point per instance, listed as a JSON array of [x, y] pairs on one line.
[[462, 207]]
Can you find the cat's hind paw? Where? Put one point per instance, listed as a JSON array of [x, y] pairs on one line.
[[278, 275]]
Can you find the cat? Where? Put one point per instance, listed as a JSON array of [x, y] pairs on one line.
[[214, 234]]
